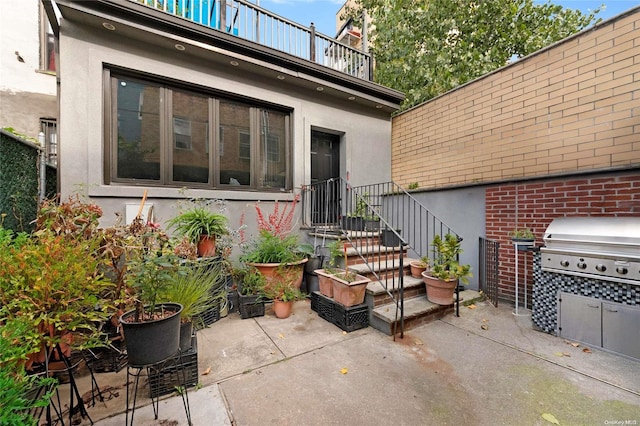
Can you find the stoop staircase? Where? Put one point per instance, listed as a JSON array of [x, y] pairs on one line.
[[381, 252], [384, 274]]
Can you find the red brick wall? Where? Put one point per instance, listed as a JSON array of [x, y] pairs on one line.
[[536, 204]]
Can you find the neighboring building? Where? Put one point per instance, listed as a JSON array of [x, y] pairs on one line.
[[27, 69], [211, 102], [346, 30], [554, 134]]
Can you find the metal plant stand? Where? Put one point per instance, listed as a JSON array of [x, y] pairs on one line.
[[521, 246], [136, 371]]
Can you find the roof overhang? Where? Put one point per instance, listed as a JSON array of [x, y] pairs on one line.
[[137, 21]]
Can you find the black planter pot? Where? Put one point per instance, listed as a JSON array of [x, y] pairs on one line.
[[353, 223], [372, 225], [150, 342], [186, 332], [389, 239], [523, 244]]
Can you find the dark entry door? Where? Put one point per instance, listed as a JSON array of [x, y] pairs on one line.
[[325, 165]]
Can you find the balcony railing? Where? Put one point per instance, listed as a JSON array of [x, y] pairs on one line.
[[253, 23]]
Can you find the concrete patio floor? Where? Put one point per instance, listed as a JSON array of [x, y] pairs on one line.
[[486, 367]]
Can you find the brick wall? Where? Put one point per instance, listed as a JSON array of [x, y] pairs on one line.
[[535, 204], [572, 107]]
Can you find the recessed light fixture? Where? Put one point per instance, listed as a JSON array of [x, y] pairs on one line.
[[234, 63], [281, 77], [109, 26], [352, 98], [179, 47], [378, 106], [319, 88]]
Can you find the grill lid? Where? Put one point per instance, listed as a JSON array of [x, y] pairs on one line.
[[599, 247], [610, 235]]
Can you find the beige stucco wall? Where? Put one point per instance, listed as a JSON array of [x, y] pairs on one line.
[[365, 133], [573, 107]]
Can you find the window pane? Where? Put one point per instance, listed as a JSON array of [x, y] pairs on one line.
[[273, 165], [50, 51], [190, 138], [138, 107], [235, 138]]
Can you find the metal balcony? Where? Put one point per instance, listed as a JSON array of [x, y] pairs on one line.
[[253, 23]]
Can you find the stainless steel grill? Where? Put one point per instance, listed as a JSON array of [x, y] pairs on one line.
[[607, 248]]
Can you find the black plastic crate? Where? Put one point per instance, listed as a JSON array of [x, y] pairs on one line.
[[323, 305], [351, 318], [250, 307], [207, 318], [166, 377]]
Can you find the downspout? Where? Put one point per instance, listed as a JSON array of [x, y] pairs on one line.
[[42, 188]]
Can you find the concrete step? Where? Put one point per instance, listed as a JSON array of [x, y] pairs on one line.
[[417, 311], [377, 294], [385, 261]]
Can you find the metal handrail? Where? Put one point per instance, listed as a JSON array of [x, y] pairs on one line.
[[400, 215], [254, 23]]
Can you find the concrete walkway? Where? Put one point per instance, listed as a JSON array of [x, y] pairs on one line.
[[486, 367]]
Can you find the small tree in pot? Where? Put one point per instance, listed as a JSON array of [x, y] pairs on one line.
[[445, 272], [151, 329]]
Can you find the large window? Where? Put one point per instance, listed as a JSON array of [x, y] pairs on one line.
[[169, 136]]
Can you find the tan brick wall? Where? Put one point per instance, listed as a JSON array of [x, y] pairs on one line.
[[570, 108]]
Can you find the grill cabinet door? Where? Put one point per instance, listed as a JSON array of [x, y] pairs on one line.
[[580, 319], [621, 329]]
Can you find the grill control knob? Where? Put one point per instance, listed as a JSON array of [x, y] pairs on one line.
[[582, 265], [622, 270], [564, 263], [600, 267]]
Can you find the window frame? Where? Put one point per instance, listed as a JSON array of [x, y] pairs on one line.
[[215, 131], [46, 35]]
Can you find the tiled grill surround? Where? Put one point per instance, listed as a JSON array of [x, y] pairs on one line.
[[547, 284]]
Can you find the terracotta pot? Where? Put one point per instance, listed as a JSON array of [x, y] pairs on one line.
[[325, 284], [439, 291], [416, 270], [282, 309], [207, 246], [349, 293], [270, 270]]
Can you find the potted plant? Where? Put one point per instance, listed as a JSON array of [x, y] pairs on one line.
[[360, 219], [446, 272], [325, 284], [349, 288], [522, 238], [20, 393], [197, 286], [419, 266], [54, 283], [201, 227], [152, 328], [270, 252], [390, 238], [283, 293], [251, 285]]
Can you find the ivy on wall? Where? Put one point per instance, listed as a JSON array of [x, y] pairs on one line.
[[19, 169]]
